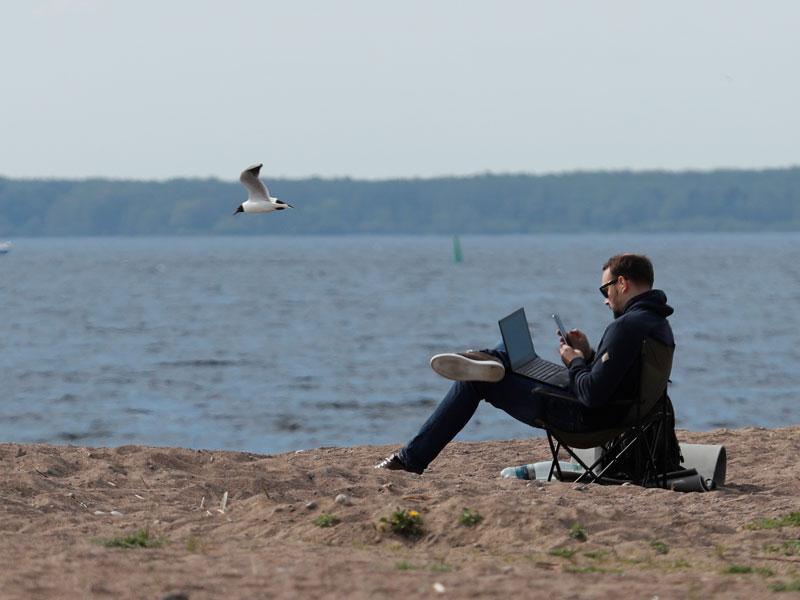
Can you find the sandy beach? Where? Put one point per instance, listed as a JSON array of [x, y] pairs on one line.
[[67, 513]]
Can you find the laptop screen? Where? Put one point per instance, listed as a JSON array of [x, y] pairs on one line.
[[517, 338]]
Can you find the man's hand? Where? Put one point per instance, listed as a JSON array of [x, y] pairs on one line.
[[580, 342], [568, 353]]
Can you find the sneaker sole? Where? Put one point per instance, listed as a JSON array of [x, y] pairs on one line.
[[461, 368]]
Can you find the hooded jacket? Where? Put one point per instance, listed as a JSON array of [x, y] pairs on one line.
[[611, 376]]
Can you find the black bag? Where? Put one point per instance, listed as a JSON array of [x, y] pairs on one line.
[[636, 464]]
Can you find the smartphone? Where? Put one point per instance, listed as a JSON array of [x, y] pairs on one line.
[[562, 330]]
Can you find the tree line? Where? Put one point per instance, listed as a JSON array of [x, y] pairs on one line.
[[723, 200]]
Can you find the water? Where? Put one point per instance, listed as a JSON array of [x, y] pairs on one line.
[[279, 343]]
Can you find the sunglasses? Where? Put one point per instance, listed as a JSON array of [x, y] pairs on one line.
[[604, 288]]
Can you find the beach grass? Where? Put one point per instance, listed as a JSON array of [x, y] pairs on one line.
[[470, 518], [790, 520], [326, 520], [141, 538]]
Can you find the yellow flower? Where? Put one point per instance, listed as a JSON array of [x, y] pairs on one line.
[[413, 514]]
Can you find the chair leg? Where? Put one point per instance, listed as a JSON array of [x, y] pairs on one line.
[[554, 451]]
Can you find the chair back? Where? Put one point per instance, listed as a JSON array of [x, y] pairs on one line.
[[656, 367]]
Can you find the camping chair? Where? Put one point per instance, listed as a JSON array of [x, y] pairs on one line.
[[645, 430]]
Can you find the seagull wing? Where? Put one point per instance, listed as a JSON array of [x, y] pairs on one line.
[[255, 188]]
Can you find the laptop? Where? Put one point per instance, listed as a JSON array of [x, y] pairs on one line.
[[522, 356]]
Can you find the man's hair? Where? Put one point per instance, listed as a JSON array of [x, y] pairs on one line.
[[635, 267]]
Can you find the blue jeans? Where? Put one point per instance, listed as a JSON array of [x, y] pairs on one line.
[[522, 398]]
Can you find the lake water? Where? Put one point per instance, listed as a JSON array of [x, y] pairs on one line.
[[282, 343]]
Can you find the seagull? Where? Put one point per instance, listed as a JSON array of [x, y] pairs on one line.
[[258, 198]]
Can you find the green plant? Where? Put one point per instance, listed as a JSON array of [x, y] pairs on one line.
[[738, 569], [790, 548], [659, 547], [192, 544], [578, 532], [596, 554], [562, 552], [786, 586], [139, 539], [791, 520], [404, 565], [748, 569], [470, 518], [326, 520], [681, 563], [407, 523]]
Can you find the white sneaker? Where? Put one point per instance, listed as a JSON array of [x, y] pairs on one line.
[[468, 366]]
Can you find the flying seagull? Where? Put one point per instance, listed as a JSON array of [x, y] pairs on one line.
[[258, 198]]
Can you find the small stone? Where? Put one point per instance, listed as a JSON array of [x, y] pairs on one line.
[[311, 505], [388, 486], [438, 588], [71, 494], [343, 499], [99, 512], [506, 569], [116, 513]]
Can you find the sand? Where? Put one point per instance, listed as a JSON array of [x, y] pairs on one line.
[[59, 505]]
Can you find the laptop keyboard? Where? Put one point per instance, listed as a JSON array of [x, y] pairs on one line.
[[541, 369]]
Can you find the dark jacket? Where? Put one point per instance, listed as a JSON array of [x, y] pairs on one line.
[[609, 380]]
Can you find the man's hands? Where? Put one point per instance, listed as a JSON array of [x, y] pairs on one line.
[[581, 347]]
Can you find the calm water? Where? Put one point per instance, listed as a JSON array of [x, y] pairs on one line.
[[272, 344]]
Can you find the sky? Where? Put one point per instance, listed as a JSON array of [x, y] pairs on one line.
[[366, 89]]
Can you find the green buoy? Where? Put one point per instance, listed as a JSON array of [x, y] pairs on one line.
[[457, 256]]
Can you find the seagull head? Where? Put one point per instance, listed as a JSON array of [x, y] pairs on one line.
[[238, 210]]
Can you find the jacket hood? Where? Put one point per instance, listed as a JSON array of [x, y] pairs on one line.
[[652, 300]]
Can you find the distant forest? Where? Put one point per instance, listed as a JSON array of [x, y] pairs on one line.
[[725, 200]]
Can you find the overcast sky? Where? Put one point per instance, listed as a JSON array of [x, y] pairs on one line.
[[153, 90]]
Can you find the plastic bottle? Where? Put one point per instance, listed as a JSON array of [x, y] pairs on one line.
[[539, 470], [520, 472]]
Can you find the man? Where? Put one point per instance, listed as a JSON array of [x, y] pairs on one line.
[[603, 382]]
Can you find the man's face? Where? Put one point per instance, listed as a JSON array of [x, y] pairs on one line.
[[611, 286]]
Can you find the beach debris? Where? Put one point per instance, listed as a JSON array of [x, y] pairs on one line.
[[438, 588], [99, 512], [211, 459], [343, 499], [208, 513], [111, 483], [388, 486], [202, 502], [116, 513], [311, 505], [224, 503], [42, 474], [138, 496]]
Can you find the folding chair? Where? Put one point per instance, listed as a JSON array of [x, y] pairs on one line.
[[645, 430]]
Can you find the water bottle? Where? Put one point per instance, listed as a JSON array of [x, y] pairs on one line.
[[520, 472], [539, 470]]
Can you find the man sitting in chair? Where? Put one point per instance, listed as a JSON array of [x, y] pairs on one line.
[[603, 382]]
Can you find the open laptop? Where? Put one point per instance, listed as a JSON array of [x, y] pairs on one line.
[[523, 358]]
